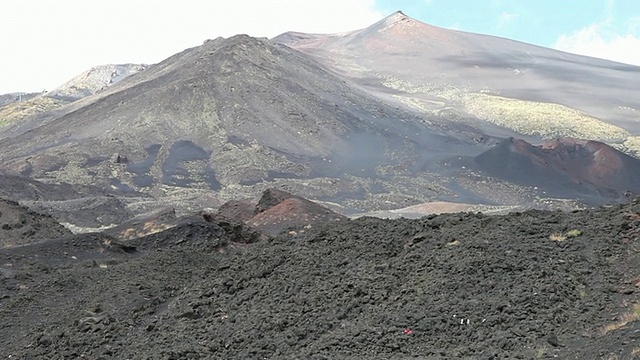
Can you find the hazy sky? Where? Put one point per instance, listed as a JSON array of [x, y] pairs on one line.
[[44, 43]]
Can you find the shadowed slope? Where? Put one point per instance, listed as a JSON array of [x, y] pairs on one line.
[[21, 226]]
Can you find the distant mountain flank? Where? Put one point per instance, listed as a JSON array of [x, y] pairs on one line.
[[393, 116], [22, 106], [528, 90], [94, 80], [10, 98]]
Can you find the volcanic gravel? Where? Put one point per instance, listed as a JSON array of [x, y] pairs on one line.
[[453, 286]]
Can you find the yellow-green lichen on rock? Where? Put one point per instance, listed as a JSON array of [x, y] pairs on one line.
[[631, 146], [20, 110], [547, 120]]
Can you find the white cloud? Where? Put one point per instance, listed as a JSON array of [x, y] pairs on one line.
[[506, 18], [44, 43], [602, 41]]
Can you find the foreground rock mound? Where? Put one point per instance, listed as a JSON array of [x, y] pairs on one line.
[[80, 207], [20, 226], [527, 285], [277, 210]]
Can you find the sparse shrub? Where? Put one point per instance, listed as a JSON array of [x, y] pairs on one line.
[[557, 237], [574, 233], [562, 237], [542, 352]]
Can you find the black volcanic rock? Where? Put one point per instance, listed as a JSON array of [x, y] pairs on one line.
[[240, 210], [452, 286]]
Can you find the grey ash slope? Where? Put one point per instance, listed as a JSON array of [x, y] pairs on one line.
[[231, 116], [439, 69]]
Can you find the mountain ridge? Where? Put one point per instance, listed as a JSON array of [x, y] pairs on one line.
[[37, 109], [350, 119]]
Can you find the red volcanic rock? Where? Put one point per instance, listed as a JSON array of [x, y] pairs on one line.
[[278, 210], [290, 213], [590, 161], [563, 162]]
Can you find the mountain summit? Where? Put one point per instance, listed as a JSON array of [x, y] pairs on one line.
[[397, 23]]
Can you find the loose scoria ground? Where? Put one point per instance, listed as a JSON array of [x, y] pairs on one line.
[[451, 286]]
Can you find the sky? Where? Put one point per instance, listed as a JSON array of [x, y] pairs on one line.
[[44, 43]]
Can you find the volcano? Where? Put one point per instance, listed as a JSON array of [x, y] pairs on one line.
[[436, 68], [239, 113], [111, 246], [370, 120]]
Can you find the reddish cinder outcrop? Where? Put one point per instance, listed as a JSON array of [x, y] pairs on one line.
[[571, 162], [278, 210]]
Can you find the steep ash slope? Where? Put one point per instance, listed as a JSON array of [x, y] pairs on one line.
[[462, 76], [528, 285]]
